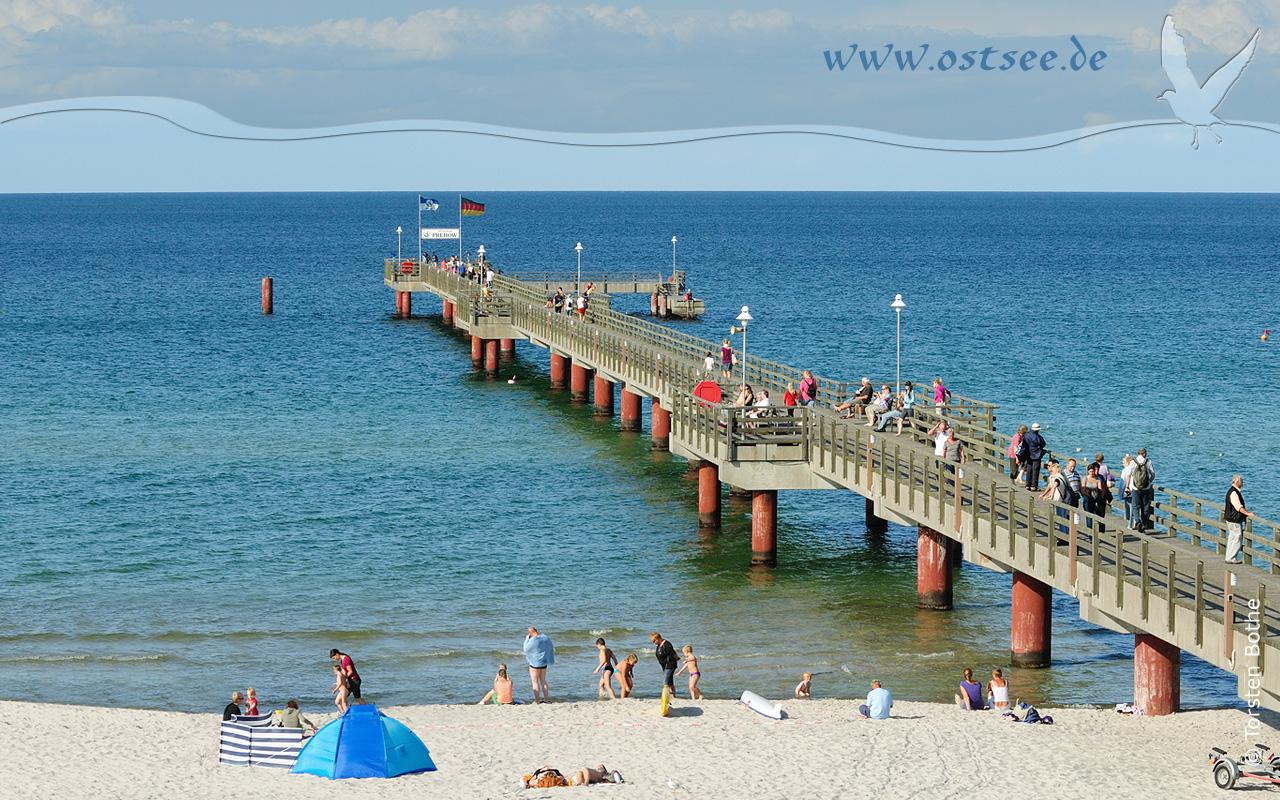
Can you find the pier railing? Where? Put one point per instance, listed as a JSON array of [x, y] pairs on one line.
[[981, 507]]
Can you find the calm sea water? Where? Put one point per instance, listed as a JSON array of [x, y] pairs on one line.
[[196, 498]]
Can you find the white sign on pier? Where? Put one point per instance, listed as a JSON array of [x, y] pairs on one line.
[[441, 233]]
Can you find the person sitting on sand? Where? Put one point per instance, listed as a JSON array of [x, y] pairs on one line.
[[805, 687], [501, 694], [588, 775], [625, 680], [233, 708], [292, 717], [998, 690], [970, 697], [879, 701]]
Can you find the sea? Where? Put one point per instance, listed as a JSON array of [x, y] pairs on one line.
[[196, 498]]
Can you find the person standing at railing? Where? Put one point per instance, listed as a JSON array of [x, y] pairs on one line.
[[789, 396], [1015, 451], [1234, 515], [1035, 447], [558, 300]]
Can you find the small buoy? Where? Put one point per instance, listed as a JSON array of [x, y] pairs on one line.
[[1191, 433], [1077, 449], [1265, 334], [513, 379], [1219, 455]]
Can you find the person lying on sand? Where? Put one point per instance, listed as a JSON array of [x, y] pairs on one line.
[[597, 774]]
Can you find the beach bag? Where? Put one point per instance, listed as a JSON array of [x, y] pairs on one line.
[[545, 779], [1031, 714]]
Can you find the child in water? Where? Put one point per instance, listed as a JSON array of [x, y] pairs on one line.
[[804, 687], [625, 682], [251, 702], [691, 664], [605, 670]]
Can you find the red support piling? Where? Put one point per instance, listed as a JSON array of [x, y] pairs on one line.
[[558, 364], [661, 427], [709, 495], [603, 397], [399, 302], [653, 305], [1032, 623], [477, 351], [1157, 675], [933, 570], [507, 349], [407, 311], [446, 311], [662, 306], [491, 357], [578, 383], [267, 306], [764, 527], [630, 411], [875, 523]]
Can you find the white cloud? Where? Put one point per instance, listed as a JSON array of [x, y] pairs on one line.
[[1223, 26], [772, 20]]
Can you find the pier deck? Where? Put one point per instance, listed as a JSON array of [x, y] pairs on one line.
[[1169, 587]]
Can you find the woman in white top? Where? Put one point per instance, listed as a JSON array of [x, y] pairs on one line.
[[998, 690], [1126, 477]]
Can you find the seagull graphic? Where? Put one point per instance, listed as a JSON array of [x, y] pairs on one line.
[[1192, 103]]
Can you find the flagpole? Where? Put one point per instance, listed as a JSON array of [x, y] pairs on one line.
[[459, 227], [419, 230]]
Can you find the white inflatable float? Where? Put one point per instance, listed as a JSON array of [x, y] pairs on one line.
[[761, 706]]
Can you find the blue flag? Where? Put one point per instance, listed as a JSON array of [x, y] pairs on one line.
[[427, 204]]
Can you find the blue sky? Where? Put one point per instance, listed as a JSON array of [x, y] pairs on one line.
[[603, 69]]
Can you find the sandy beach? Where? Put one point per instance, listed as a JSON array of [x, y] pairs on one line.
[[714, 749]]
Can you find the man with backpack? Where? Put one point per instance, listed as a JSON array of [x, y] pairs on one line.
[[1142, 489]]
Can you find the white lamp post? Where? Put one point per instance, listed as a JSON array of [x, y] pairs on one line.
[[577, 290], [744, 318], [897, 306], [673, 257], [481, 253], [398, 230]]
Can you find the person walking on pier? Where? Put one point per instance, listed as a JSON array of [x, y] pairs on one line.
[[558, 301], [1234, 515], [808, 390], [726, 358], [540, 653], [1140, 483], [1035, 447]]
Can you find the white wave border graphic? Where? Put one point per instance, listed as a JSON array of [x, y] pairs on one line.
[[203, 121]]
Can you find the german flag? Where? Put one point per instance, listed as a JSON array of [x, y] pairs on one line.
[[471, 208]]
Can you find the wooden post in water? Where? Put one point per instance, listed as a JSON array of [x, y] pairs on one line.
[[477, 351], [558, 365], [708, 494], [267, 306], [764, 527], [660, 427], [603, 396], [1032, 623], [630, 411], [491, 357], [1157, 675], [933, 570]]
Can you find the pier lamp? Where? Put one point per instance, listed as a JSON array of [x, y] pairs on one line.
[[577, 290], [744, 318], [398, 230], [897, 307], [480, 253], [673, 257]]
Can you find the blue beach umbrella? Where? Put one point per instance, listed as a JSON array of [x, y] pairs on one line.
[[364, 743]]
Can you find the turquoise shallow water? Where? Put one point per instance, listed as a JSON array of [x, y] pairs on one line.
[[196, 498]]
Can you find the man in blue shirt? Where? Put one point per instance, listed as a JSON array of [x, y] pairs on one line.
[[879, 701], [540, 654]]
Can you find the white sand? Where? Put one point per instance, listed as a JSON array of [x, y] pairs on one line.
[[716, 749]]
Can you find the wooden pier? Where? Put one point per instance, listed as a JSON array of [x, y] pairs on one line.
[[1169, 588]]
